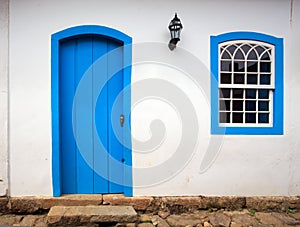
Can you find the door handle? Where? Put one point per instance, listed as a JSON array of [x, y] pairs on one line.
[[122, 120]]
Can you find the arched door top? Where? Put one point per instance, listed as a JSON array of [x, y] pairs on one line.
[[92, 30]]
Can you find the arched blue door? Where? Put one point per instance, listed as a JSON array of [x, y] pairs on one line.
[[91, 170]]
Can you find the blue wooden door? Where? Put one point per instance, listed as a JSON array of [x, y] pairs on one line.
[[76, 56]]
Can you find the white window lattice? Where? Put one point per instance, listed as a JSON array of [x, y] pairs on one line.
[[246, 83]]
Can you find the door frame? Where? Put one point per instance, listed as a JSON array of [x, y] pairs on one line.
[[127, 58]]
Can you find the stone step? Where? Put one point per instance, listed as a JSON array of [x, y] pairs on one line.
[[78, 215]]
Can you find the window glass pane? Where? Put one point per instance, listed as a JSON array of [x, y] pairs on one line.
[[252, 79], [237, 105], [265, 79], [263, 94], [239, 66], [250, 93], [252, 66], [231, 49], [224, 117], [239, 78], [263, 106], [250, 105], [239, 55], [259, 50], [252, 55], [265, 56], [224, 104], [226, 66], [246, 48], [224, 93], [238, 93], [225, 78], [265, 67], [225, 55], [250, 118], [237, 117], [263, 118]]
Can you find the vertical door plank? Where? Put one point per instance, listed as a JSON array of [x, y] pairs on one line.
[[85, 175], [115, 86], [66, 93], [100, 115]]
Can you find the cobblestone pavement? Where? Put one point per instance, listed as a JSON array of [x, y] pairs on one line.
[[165, 219]]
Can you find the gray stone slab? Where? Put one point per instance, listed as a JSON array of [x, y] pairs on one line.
[[90, 214]]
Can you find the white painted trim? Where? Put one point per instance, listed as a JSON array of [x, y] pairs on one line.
[[238, 44], [4, 24]]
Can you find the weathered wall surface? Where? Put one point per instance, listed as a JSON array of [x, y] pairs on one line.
[[4, 4], [245, 165]]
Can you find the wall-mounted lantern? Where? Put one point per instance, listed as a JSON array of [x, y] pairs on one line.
[[175, 27]]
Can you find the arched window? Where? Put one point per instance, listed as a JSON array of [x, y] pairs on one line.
[[247, 84]]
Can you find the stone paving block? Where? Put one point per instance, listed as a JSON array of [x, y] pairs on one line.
[[130, 224], [207, 224], [159, 222], [243, 219], [286, 219], [296, 216], [138, 202], [268, 219], [33, 220], [146, 225], [28, 220], [55, 214], [145, 217], [219, 219], [163, 214], [184, 220], [41, 221], [9, 220], [91, 214]]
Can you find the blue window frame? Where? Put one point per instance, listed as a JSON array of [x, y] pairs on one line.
[[246, 84]]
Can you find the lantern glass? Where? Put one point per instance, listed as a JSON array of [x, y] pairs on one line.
[[175, 34]]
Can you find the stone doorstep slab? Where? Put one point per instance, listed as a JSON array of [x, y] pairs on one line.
[[138, 202], [90, 214], [32, 204]]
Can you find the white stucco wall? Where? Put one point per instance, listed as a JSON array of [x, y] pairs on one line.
[[245, 165], [4, 97]]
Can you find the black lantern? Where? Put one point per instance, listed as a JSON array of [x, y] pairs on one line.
[[175, 27]]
